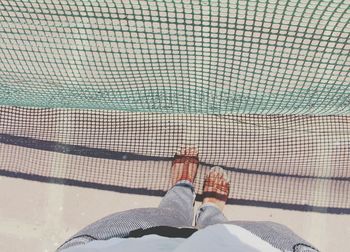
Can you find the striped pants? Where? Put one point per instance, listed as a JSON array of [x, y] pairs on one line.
[[176, 210]]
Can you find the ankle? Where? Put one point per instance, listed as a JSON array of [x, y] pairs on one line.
[[214, 202]]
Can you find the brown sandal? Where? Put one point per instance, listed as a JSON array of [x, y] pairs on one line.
[[216, 187], [185, 159]]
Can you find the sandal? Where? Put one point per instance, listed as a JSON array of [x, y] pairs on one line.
[[186, 171], [216, 187]]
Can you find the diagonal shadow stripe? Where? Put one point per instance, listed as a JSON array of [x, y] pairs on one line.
[[144, 191], [127, 156]]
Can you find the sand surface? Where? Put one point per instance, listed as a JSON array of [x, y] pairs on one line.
[[37, 216]]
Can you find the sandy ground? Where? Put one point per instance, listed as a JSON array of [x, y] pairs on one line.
[[38, 216]]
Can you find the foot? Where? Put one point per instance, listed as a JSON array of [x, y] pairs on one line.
[[216, 187], [185, 165]]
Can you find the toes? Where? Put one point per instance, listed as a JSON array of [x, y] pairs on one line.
[[183, 151], [188, 151], [219, 172], [216, 176], [194, 151]]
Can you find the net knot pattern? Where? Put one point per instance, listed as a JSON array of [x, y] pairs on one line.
[[103, 93]]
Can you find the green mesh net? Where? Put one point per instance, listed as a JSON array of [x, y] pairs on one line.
[[102, 93], [177, 56]]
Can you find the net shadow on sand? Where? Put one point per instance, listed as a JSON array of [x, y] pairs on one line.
[[289, 162]]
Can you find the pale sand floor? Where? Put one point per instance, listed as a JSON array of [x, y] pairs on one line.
[[38, 216]]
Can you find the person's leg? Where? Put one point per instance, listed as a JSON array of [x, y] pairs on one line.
[[122, 223], [175, 209], [215, 193], [209, 214], [180, 198], [215, 196]]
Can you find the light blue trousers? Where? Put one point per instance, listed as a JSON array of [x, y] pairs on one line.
[[176, 210]]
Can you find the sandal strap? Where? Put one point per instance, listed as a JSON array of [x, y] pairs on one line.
[[219, 196], [186, 160], [224, 188]]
